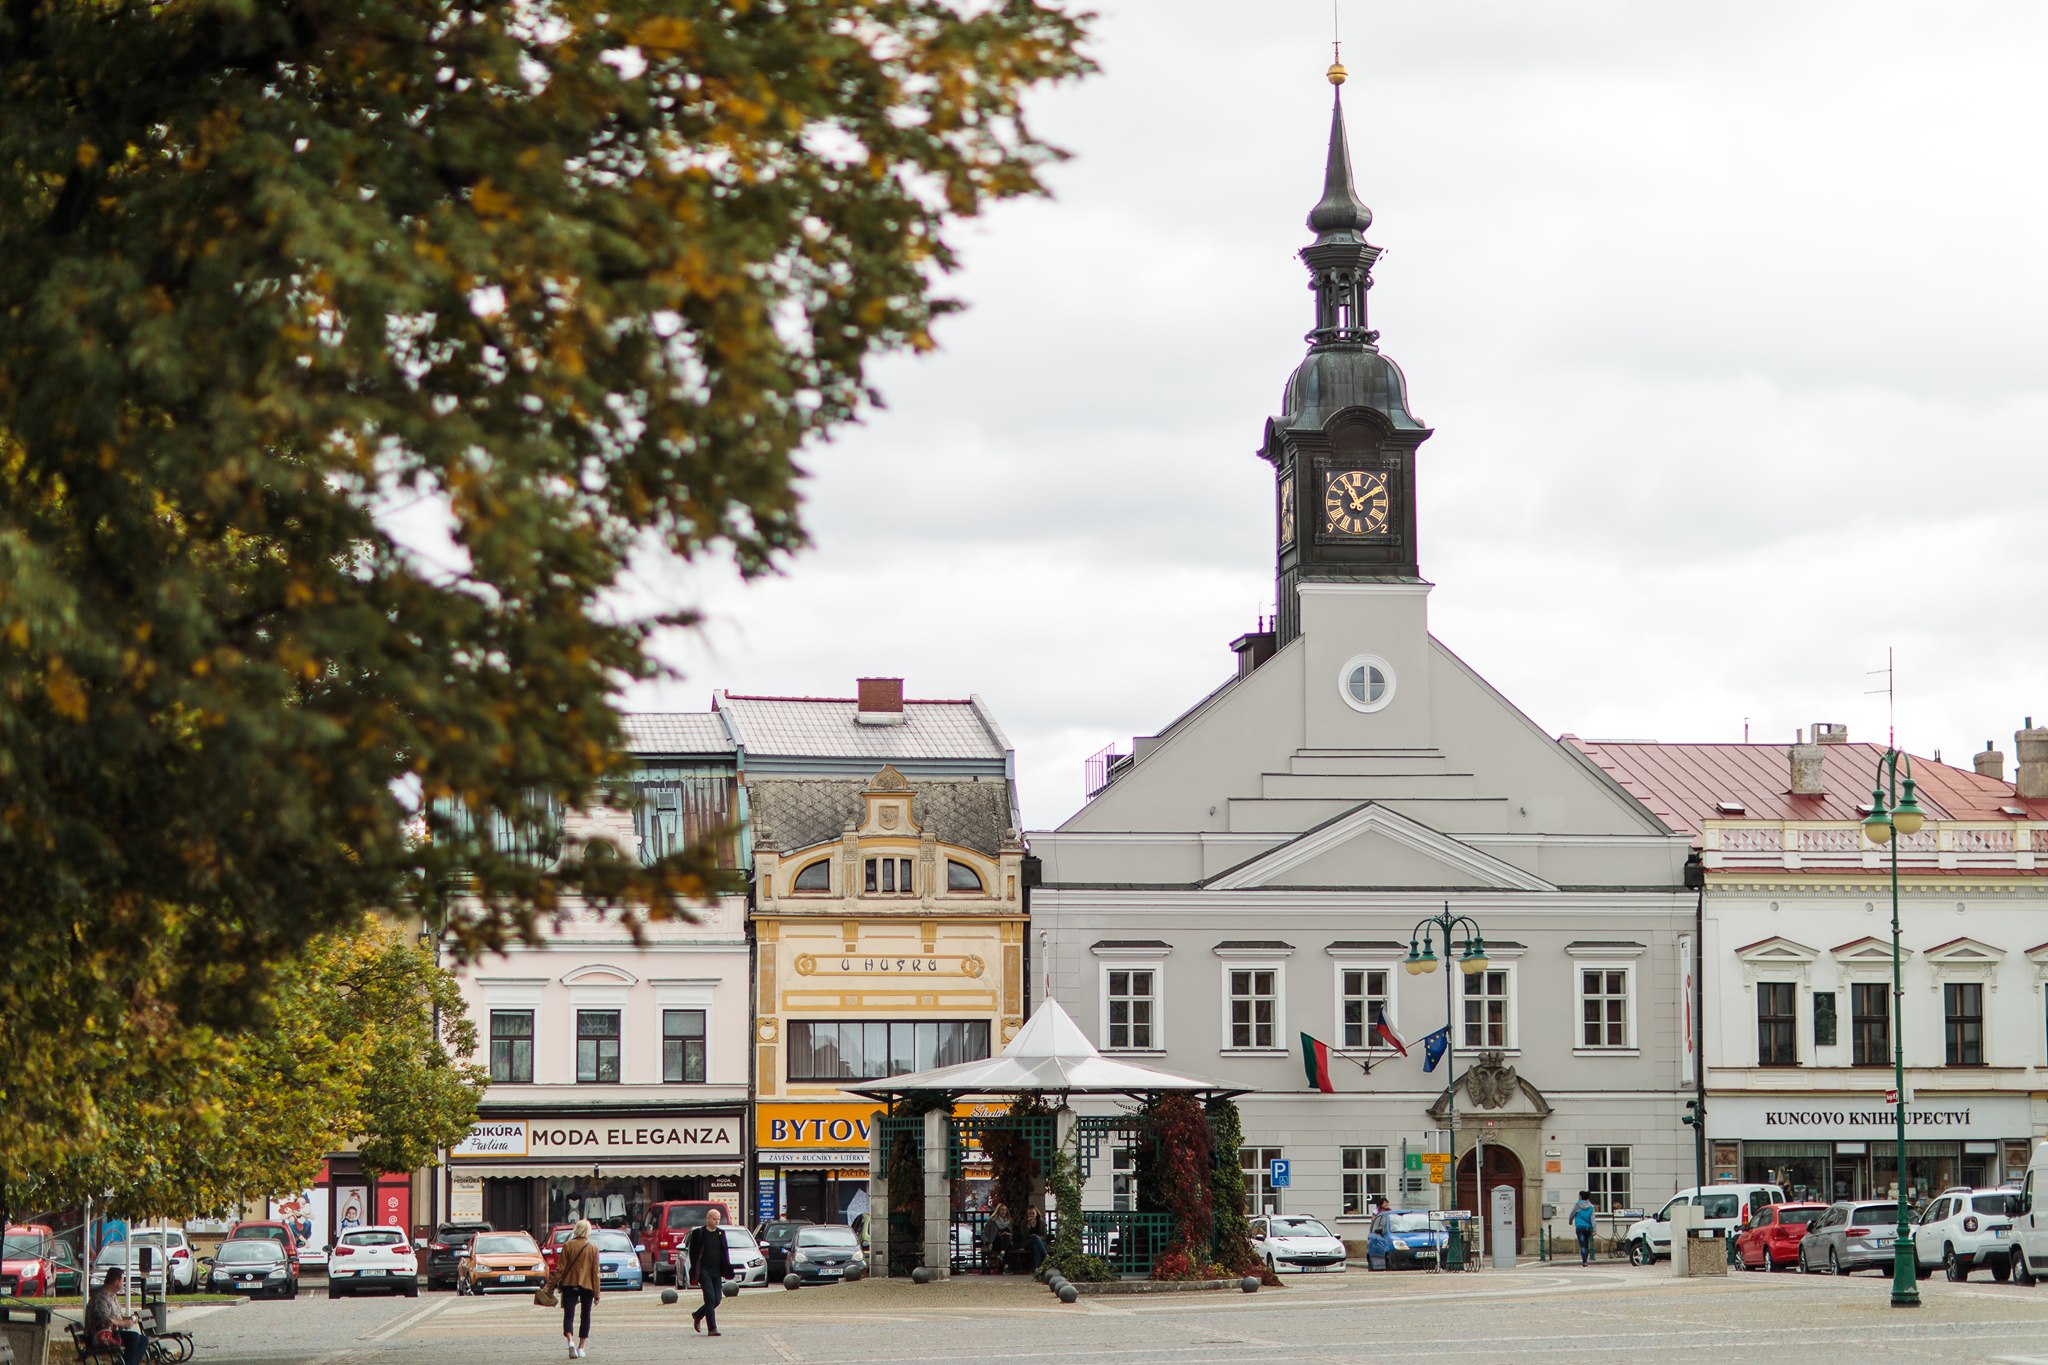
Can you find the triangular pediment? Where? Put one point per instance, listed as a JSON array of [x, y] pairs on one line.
[[1777, 950], [1868, 951], [1372, 846], [1965, 952]]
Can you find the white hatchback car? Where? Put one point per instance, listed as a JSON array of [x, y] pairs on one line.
[[1964, 1229], [373, 1259], [1727, 1208], [1294, 1241], [749, 1262]]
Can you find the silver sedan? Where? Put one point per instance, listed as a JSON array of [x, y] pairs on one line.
[[1852, 1235]]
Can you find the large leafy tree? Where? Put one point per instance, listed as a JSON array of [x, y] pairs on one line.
[[364, 1042], [565, 282]]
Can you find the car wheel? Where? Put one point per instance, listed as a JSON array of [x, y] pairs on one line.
[[1834, 1262], [1639, 1252], [411, 1291], [2022, 1273], [2000, 1271], [1952, 1269], [1271, 1269], [333, 1292]]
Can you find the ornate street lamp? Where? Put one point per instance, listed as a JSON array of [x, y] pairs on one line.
[[1892, 813], [1471, 961]]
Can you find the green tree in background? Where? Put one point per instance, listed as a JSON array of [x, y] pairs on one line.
[[346, 1057], [562, 283]]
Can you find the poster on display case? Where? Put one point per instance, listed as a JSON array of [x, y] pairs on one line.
[[305, 1213], [351, 1208]]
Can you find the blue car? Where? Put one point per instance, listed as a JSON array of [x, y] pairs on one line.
[[1405, 1239], [618, 1264]]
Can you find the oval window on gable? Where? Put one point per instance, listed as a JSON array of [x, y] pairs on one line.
[[815, 879], [961, 877]]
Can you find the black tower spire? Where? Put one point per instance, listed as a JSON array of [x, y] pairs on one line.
[[1344, 444]]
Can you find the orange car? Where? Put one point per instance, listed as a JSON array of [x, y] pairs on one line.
[[500, 1260]]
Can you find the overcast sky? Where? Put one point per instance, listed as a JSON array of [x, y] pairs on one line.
[[1729, 320]]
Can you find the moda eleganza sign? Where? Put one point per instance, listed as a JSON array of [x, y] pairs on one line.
[[605, 1138]]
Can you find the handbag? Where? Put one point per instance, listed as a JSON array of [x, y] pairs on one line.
[[544, 1297]]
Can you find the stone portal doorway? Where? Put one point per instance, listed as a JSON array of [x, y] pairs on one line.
[[1503, 1167]]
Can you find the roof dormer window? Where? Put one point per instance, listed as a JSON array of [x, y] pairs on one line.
[[890, 877]]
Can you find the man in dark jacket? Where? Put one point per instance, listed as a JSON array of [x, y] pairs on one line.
[[709, 1264]]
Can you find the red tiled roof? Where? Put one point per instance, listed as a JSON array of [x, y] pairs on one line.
[[1685, 784]]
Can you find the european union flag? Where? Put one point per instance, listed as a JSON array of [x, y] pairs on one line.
[[1434, 1046]]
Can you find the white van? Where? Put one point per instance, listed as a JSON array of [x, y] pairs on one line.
[[1727, 1207], [2030, 1222]]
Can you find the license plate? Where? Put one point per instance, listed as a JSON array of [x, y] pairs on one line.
[[1881, 1242], [2000, 1232], [830, 1270]]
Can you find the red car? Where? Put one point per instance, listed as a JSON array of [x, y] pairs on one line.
[[551, 1245], [668, 1227], [31, 1262], [1772, 1238]]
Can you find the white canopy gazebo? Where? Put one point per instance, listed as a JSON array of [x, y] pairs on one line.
[[1049, 1055]]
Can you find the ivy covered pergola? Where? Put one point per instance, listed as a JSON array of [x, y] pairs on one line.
[[1041, 1146]]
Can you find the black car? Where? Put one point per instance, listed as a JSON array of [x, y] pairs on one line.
[[826, 1253], [254, 1266], [450, 1241], [775, 1238]]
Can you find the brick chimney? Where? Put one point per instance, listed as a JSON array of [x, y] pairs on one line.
[[2032, 774], [879, 701], [1252, 649], [1808, 760], [1830, 732], [1990, 763]]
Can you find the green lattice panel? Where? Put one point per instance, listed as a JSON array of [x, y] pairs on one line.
[[1093, 1130], [1037, 1130], [1129, 1241]]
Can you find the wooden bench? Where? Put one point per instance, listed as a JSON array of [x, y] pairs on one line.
[[113, 1355]]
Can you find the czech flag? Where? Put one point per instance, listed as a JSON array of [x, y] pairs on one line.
[[1386, 1032], [1315, 1060]]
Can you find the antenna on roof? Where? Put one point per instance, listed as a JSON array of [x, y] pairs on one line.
[[1891, 699]]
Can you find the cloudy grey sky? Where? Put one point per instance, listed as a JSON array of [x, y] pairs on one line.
[[1729, 320]]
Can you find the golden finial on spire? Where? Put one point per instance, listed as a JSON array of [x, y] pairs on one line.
[[1336, 73]]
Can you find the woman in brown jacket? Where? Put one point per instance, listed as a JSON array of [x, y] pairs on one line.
[[576, 1279]]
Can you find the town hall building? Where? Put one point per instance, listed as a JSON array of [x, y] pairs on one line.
[[1257, 870]]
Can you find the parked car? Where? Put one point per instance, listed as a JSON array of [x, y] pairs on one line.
[[177, 1254], [1295, 1242], [749, 1264], [270, 1229], [1851, 1235], [126, 1255], [256, 1266], [1772, 1238], [500, 1260], [35, 1263], [668, 1227], [618, 1265], [1963, 1229], [379, 1259], [551, 1245], [825, 1253], [2030, 1221], [1405, 1239], [444, 1253], [775, 1238], [1726, 1207]]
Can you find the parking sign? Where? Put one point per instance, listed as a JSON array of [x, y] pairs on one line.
[[1277, 1175]]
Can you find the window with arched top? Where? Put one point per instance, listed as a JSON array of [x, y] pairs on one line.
[[961, 877], [814, 879]]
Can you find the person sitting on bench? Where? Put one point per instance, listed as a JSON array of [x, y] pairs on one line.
[[997, 1241], [107, 1325]]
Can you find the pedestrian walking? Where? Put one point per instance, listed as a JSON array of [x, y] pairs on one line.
[[1582, 1224], [710, 1263], [107, 1325], [576, 1279]]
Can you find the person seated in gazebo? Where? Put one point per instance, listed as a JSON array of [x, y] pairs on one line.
[[997, 1240], [1033, 1237]]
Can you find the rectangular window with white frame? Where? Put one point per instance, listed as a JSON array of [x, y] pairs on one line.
[[1363, 993], [1605, 1021], [1257, 1164], [1489, 1010], [1607, 1171], [1363, 1176], [1130, 1008], [1254, 1007]]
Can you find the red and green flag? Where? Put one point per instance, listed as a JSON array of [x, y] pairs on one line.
[[1315, 1060]]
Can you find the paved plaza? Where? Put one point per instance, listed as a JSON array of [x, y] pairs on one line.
[[1608, 1312]]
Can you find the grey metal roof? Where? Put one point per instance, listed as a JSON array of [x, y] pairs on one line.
[[1254, 943], [677, 732], [1373, 944], [824, 727], [1129, 943], [798, 812]]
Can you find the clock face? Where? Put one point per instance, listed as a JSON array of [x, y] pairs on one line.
[[1354, 502], [1287, 510]]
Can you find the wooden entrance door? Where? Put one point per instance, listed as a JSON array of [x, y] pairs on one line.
[[1503, 1167]]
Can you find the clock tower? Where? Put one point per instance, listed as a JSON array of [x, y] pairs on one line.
[[1343, 447]]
